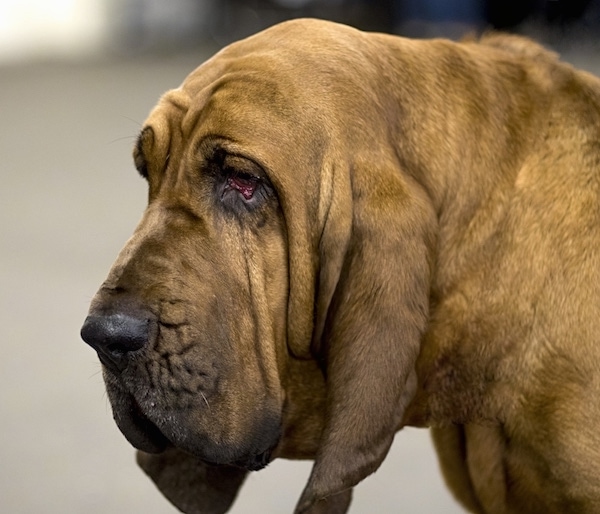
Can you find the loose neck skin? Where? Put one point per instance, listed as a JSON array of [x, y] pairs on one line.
[[465, 121], [463, 111]]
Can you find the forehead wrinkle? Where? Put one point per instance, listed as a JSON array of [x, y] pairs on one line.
[[175, 101], [196, 107], [167, 117], [226, 109], [171, 105], [256, 77]]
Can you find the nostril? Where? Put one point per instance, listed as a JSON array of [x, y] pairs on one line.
[[114, 336], [117, 350]]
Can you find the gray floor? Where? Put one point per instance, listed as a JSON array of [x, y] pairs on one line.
[[69, 198]]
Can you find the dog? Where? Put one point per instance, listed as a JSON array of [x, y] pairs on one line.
[[348, 233]]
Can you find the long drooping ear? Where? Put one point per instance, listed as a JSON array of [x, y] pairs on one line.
[[191, 485], [372, 303]]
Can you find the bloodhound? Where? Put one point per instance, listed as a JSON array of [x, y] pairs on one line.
[[348, 233]]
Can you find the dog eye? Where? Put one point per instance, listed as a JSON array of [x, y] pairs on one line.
[[240, 184], [243, 191], [244, 183], [243, 186]]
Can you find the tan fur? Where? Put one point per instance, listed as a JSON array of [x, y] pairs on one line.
[[431, 257]]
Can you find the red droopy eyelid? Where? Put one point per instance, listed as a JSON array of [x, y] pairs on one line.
[[246, 185]]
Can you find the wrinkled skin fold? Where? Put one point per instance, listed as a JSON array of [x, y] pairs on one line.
[[347, 233]]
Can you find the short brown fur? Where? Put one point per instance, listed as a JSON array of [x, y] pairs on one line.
[[428, 254]]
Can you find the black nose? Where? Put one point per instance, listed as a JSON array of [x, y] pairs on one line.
[[114, 336]]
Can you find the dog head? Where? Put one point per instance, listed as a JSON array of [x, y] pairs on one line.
[[271, 301]]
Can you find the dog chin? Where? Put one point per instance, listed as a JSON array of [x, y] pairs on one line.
[[145, 436], [141, 433], [155, 437]]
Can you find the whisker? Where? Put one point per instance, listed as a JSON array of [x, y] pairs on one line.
[[131, 138], [205, 400], [95, 374], [131, 119]]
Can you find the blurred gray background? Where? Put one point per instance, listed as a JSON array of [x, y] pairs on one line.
[[77, 78]]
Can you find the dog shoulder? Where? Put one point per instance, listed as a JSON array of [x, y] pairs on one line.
[[543, 65], [518, 46]]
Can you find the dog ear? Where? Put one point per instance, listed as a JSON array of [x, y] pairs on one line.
[[372, 310], [191, 485]]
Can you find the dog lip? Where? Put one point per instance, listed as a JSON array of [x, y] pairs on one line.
[[144, 435], [251, 463], [154, 431], [255, 462], [141, 433]]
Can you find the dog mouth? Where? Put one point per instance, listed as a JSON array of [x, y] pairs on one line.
[[144, 434], [137, 428]]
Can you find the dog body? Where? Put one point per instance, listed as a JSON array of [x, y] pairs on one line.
[[348, 233]]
